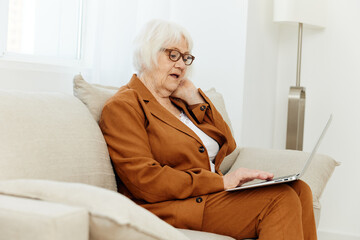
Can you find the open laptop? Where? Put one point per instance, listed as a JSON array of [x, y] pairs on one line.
[[288, 178]]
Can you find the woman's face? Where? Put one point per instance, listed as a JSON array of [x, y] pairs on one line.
[[168, 75]]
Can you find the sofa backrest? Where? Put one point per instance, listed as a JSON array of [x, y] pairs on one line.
[[51, 136]]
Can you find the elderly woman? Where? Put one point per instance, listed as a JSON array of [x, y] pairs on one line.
[[167, 141]]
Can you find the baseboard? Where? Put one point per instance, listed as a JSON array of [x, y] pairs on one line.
[[325, 235]]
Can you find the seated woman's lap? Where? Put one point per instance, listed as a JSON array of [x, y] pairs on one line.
[[273, 211]]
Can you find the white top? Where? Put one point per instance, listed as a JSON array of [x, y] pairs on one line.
[[210, 144]]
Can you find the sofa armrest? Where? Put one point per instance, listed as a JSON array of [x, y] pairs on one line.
[[24, 218], [285, 162]]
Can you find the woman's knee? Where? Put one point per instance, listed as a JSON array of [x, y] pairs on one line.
[[285, 203], [288, 199], [303, 190]]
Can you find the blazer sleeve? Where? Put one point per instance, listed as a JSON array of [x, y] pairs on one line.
[[124, 129]]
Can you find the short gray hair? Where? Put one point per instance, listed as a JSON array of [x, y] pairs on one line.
[[155, 35]]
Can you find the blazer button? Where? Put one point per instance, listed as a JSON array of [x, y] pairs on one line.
[[202, 108], [201, 149], [199, 199]]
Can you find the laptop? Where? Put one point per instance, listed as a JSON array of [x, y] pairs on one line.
[[288, 178]]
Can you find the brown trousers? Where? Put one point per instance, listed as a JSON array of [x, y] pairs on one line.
[[283, 211]]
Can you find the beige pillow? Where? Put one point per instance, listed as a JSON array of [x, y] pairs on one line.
[[218, 101], [51, 136], [94, 96], [112, 215]]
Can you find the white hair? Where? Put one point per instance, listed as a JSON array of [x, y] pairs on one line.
[[154, 36]]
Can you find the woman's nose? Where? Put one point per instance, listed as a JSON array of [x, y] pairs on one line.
[[180, 64]]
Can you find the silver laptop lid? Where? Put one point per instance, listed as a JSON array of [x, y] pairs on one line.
[[316, 146]]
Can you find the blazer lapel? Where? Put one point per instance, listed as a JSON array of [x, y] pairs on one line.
[[209, 129], [157, 110]]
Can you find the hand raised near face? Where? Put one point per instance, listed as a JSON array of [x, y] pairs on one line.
[[188, 92], [244, 175]]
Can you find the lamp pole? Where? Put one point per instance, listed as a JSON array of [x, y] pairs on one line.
[[298, 67], [296, 106]]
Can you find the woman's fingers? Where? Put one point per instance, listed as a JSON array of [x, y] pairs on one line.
[[265, 175], [243, 175], [253, 174]]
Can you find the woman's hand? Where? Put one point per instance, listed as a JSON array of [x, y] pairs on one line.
[[188, 92], [243, 175]]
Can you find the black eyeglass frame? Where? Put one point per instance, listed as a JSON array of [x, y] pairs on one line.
[[182, 55]]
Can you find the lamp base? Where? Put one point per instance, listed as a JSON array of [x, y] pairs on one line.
[[295, 120]]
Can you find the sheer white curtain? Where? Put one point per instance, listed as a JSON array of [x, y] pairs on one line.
[[116, 26], [218, 29]]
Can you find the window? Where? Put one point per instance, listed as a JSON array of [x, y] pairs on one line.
[[40, 29]]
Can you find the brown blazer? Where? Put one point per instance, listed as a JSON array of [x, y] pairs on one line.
[[160, 163]]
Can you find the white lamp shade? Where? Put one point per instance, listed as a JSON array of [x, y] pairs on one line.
[[309, 12]]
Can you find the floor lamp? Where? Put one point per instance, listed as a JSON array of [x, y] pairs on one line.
[[312, 13]]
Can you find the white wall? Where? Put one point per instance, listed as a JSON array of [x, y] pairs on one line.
[[260, 76], [330, 73]]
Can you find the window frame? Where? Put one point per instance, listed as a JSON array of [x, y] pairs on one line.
[[4, 6], [36, 59]]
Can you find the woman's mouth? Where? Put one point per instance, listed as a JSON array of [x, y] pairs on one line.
[[175, 75]]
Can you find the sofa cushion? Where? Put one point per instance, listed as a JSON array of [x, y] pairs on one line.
[[94, 96], [51, 136], [23, 219], [112, 215]]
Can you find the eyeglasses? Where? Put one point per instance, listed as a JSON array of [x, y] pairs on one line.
[[175, 55]]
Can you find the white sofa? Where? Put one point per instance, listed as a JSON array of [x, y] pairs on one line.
[[57, 181]]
